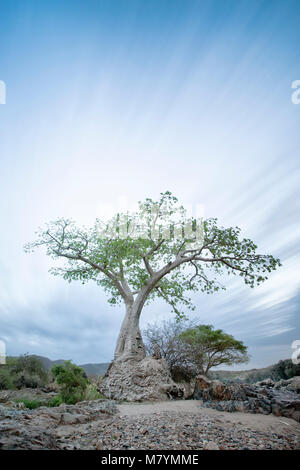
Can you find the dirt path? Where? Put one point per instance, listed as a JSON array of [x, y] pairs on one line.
[[251, 421]]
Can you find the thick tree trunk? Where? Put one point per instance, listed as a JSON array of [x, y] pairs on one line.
[[132, 376], [130, 344]]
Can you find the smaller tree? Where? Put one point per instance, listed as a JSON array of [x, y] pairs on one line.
[[209, 348], [167, 337], [72, 382], [6, 382], [28, 371]]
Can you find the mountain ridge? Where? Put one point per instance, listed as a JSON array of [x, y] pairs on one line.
[[282, 369]]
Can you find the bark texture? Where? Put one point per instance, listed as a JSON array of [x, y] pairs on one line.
[[130, 344], [139, 380], [132, 376]]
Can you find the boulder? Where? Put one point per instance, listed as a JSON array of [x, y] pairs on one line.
[[263, 397], [294, 384], [217, 390], [46, 428], [201, 383], [188, 390]]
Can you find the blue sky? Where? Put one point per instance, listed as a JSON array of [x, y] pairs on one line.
[[109, 102]]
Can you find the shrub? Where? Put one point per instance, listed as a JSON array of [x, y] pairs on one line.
[[28, 371], [55, 401], [30, 404], [182, 373], [5, 378], [25, 380], [166, 337], [33, 403], [72, 382], [91, 393]]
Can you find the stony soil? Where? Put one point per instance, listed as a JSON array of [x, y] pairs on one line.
[[266, 397], [175, 425]]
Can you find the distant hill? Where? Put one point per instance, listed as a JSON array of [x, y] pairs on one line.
[[95, 369], [282, 370], [90, 369]]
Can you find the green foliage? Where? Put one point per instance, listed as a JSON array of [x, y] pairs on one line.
[[29, 403], [91, 393], [26, 380], [72, 382], [55, 401], [162, 249], [209, 348], [6, 381], [29, 371], [22, 372], [33, 403]]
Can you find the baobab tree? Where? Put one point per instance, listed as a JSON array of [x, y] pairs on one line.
[[157, 251]]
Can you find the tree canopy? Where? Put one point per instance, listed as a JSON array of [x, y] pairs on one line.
[[157, 251], [207, 348]]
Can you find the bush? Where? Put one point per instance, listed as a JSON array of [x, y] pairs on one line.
[[72, 382], [22, 372], [30, 366], [166, 337], [25, 380], [5, 379], [55, 401], [182, 373], [30, 404], [91, 393]]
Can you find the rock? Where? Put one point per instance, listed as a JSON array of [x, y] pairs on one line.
[[296, 415], [224, 392], [157, 353], [49, 428], [266, 383], [68, 418], [201, 383], [4, 397], [99, 446], [188, 390], [276, 410], [263, 397], [294, 384], [211, 446]]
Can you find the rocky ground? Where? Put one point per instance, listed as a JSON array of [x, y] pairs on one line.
[[280, 398], [267, 417], [176, 425]]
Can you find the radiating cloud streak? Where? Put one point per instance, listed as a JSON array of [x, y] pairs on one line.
[[110, 101]]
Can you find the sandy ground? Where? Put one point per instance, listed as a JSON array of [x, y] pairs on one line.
[[253, 421]]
